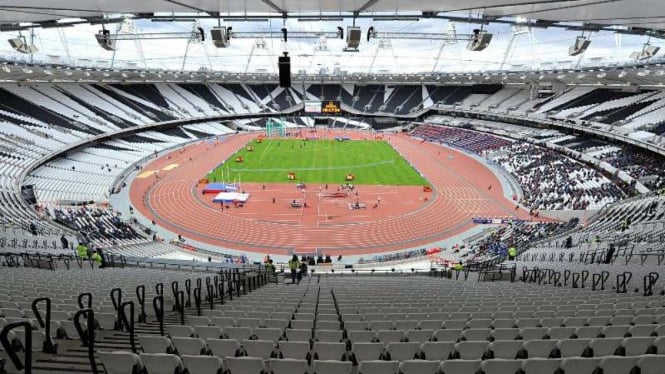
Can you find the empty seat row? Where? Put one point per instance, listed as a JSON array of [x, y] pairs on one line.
[[125, 362]]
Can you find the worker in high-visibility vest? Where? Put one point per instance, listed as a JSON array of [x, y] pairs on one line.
[[270, 267], [294, 264], [458, 266], [512, 253], [82, 250], [97, 258]]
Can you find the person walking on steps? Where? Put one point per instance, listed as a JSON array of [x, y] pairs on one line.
[[302, 271], [294, 264]]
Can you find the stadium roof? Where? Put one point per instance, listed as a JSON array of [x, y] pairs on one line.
[[527, 35], [647, 14]]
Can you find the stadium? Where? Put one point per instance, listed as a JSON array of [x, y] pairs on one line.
[[360, 187]]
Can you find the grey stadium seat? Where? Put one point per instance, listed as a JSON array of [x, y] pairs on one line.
[[436, 350], [161, 363], [245, 365], [332, 367], [506, 349], [378, 367], [500, 366], [459, 367], [617, 365], [258, 348], [288, 366], [541, 365], [120, 362], [419, 367], [190, 346], [294, 350], [402, 351], [155, 344], [471, 350], [202, 364], [651, 364], [223, 347], [329, 351], [576, 365], [366, 351]]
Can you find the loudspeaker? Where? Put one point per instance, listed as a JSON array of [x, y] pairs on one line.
[[21, 45], [284, 64], [353, 35], [104, 40], [647, 52], [16, 43], [220, 37], [581, 44], [479, 41]]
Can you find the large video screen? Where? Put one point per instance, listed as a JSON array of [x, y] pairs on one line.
[[331, 107], [312, 107]]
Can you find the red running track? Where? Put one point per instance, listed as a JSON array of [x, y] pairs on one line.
[[406, 219]]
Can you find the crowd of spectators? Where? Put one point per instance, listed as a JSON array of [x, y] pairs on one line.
[[516, 234], [462, 138], [396, 256], [552, 181], [96, 224], [644, 166]]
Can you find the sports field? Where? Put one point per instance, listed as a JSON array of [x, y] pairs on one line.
[[319, 161]]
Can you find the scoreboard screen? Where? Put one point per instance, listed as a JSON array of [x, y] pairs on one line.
[[331, 107], [313, 106]]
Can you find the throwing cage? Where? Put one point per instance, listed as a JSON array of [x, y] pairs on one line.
[[275, 128]]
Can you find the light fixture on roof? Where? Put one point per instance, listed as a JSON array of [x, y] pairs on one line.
[[479, 40], [646, 53], [318, 19], [581, 44], [396, 18], [104, 39], [353, 34], [20, 44], [221, 36]]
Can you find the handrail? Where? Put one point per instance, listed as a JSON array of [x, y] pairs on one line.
[[158, 305], [26, 365], [209, 291], [188, 289], [159, 289], [80, 300], [87, 337], [129, 322], [45, 323], [197, 300], [140, 297], [180, 305], [117, 302]]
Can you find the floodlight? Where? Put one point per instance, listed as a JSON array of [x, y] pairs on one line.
[[21, 45], [479, 41], [646, 53], [580, 46]]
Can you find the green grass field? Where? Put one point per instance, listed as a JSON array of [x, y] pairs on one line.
[[319, 161]]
